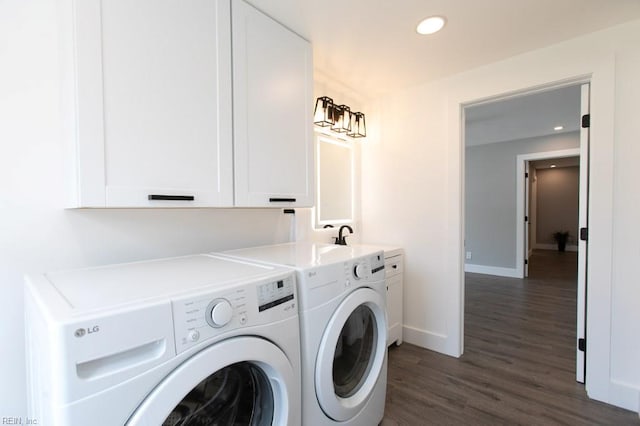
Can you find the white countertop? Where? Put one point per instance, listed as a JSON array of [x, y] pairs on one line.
[[389, 251], [303, 255]]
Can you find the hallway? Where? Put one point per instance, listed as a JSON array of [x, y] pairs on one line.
[[519, 360]]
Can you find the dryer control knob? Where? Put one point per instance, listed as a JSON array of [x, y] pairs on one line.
[[221, 313], [359, 270]]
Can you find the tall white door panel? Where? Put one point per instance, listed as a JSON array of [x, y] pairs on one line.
[[583, 223], [527, 219], [273, 99], [152, 103]]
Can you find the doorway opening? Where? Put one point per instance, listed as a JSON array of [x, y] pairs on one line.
[[528, 128], [547, 209]]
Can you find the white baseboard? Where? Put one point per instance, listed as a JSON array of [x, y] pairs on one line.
[[491, 270], [554, 247], [624, 395], [426, 339]]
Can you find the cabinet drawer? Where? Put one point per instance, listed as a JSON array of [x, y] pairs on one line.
[[393, 266]]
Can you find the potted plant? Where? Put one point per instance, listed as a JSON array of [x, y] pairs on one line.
[[561, 237]]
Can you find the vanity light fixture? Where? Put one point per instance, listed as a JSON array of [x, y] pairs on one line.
[[558, 128], [323, 114], [358, 128], [431, 25], [342, 119], [339, 118]]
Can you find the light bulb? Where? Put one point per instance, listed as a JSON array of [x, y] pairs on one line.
[[431, 25]]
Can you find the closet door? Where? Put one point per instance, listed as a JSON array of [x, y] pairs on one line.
[[273, 99], [151, 103]]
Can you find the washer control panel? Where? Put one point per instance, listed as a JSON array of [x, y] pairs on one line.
[[199, 317], [275, 293]]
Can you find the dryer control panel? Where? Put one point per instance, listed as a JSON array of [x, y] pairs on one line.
[[320, 285], [368, 267], [214, 313]]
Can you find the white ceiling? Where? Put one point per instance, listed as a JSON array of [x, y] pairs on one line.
[[371, 46], [522, 117], [558, 162]]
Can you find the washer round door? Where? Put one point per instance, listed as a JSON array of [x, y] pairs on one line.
[[240, 381], [351, 354]]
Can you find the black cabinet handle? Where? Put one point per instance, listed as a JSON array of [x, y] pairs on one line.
[[171, 197], [282, 200]]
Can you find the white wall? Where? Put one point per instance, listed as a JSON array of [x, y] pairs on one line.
[[490, 197], [557, 204], [404, 196], [37, 234], [413, 196], [343, 95]]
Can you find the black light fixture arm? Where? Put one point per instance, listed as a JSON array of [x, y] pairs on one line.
[[339, 118]]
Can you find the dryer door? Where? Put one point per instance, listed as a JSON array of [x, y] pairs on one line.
[[351, 354], [240, 381]]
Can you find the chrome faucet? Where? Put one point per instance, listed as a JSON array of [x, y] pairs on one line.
[[342, 239]]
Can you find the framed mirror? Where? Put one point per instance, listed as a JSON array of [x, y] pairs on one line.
[[335, 180]]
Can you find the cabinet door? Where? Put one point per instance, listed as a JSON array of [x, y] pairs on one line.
[[152, 106], [273, 84], [394, 309]]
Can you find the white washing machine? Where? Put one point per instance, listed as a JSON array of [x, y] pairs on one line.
[[184, 341], [343, 329]]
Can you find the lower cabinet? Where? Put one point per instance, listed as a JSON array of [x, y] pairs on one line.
[[393, 263]]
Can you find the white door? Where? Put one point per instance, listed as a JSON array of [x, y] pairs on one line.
[[272, 112], [152, 103], [527, 218], [243, 380], [351, 354], [583, 223]]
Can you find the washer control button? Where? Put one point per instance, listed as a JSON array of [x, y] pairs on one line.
[[193, 335], [347, 283], [243, 318], [219, 313]]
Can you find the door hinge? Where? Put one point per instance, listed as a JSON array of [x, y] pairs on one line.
[[526, 218], [586, 121], [584, 234], [526, 175], [582, 345], [526, 262]]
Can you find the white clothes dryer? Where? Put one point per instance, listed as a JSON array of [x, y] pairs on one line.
[[343, 329], [184, 341]]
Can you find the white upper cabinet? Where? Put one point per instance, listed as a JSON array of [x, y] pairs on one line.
[[273, 99], [147, 92]]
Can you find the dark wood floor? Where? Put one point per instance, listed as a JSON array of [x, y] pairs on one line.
[[519, 360]]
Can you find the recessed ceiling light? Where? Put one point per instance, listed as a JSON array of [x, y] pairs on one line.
[[558, 128], [553, 166], [431, 25]]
